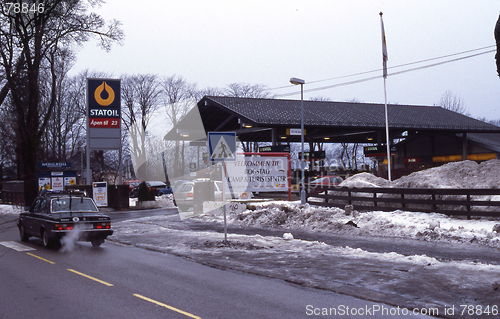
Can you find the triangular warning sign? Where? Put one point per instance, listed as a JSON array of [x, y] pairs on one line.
[[222, 150]]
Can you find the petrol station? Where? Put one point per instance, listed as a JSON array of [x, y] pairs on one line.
[[420, 136]]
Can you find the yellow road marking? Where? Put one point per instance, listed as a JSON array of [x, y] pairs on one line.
[[51, 262], [89, 277], [167, 306]]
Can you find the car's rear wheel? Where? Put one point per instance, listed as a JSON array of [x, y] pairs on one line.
[[22, 233], [47, 242], [96, 242]]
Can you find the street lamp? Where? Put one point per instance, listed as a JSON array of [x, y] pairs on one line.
[[301, 82]]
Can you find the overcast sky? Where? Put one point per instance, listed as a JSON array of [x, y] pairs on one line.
[[214, 43]]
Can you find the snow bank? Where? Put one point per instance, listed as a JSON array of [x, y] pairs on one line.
[[365, 180], [291, 216], [464, 174], [10, 209], [163, 201], [397, 224]]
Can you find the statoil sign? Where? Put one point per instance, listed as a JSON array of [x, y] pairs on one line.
[[104, 113]]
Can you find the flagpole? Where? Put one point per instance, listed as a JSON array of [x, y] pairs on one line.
[[387, 133], [384, 60]]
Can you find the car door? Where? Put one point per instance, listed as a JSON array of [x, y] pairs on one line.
[[28, 218], [39, 216]]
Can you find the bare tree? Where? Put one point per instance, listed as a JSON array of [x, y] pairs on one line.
[[179, 96], [210, 91], [141, 96], [453, 103], [248, 90], [27, 40], [497, 40], [61, 132], [320, 98]]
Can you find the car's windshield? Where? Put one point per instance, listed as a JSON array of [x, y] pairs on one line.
[[187, 187], [73, 204]]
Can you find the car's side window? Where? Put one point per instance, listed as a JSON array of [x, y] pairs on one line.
[[36, 206], [44, 206]]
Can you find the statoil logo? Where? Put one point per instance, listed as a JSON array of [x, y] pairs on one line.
[[110, 94], [103, 93]]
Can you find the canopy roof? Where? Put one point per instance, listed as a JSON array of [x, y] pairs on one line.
[[267, 120]]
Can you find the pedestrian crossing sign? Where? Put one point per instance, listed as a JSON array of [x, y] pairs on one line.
[[222, 146]]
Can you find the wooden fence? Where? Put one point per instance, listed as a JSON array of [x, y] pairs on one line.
[[449, 201]]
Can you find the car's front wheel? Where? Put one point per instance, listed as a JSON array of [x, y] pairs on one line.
[[22, 233]]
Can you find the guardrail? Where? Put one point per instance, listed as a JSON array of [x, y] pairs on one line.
[[449, 201]]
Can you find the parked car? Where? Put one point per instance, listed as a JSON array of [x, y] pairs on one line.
[[56, 214], [316, 185], [152, 185], [177, 183], [184, 195], [165, 191], [132, 184]]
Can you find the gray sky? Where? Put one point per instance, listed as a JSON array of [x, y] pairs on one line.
[[217, 42]]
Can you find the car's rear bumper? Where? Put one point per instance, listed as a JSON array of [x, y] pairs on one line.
[[84, 234]]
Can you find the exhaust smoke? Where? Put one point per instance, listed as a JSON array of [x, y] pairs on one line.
[[69, 240]]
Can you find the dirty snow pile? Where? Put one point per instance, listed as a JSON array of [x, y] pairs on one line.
[[163, 201], [464, 174], [365, 180], [398, 223], [423, 226], [10, 209]]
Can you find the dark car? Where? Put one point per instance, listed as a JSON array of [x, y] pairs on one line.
[[165, 191], [56, 214], [132, 184], [153, 186]]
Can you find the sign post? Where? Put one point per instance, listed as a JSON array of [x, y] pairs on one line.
[[103, 117], [222, 147]]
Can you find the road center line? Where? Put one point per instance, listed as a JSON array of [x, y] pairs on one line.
[[50, 262], [89, 277], [167, 306]]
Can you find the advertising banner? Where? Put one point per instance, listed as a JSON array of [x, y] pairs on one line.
[[258, 174], [100, 193], [69, 181], [57, 183], [44, 183]]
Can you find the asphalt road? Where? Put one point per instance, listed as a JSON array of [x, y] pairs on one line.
[[118, 281]]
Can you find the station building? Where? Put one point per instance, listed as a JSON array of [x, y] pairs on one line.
[[421, 136]]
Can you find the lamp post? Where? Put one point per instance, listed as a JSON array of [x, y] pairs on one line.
[[303, 189]]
